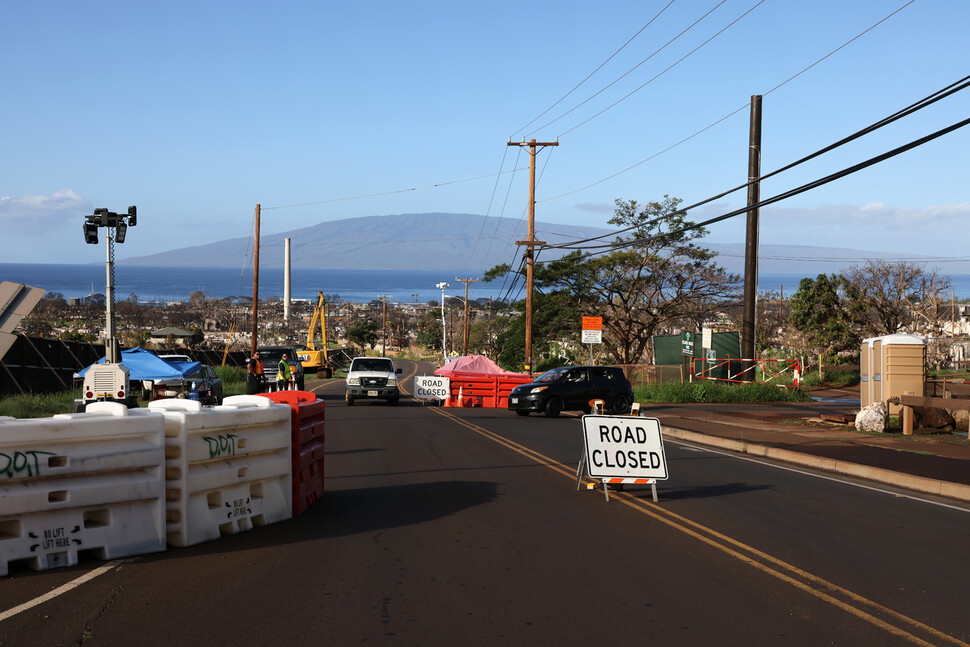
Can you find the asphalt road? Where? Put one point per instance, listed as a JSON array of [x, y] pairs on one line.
[[449, 526]]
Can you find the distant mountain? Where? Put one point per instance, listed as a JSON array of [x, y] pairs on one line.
[[408, 241], [447, 241]]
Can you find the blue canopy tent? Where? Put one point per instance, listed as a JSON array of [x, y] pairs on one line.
[[145, 365]]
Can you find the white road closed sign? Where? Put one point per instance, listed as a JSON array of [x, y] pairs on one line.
[[431, 387], [624, 447]]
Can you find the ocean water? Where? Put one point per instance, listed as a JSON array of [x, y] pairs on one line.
[[356, 286], [163, 284]]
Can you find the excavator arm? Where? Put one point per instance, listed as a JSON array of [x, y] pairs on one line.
[[310, 345]]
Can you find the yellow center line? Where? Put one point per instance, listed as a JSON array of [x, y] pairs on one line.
[[724, 543]]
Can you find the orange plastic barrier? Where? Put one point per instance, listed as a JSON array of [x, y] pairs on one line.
[[469, 390], [504, 387], [307, 425]]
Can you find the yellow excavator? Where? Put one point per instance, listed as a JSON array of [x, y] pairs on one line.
[[312, 359]]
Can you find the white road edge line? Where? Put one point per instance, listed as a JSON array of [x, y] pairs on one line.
[[73, 584], [688, 445]]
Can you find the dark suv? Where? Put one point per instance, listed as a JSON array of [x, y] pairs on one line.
[[571, 388], [271, 356]]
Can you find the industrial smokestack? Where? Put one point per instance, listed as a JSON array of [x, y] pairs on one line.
[[286, 279]]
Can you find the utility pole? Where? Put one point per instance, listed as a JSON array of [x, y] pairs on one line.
[[255, 284], [749, 314], [530, 244], [464, 348], [383, 325]]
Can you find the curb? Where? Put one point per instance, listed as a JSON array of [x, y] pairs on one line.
[[920, 484]]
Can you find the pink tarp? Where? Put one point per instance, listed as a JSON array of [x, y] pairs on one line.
[[477, 381], [476, 365]]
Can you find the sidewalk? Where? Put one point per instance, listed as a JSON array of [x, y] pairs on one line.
[[937, 464]]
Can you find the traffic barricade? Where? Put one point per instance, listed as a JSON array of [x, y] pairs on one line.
[[471, 391], [308, 415], [227, 468], [503, 388], [88, 483]]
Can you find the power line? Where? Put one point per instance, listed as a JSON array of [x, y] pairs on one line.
[[491, 199], [925, 102], [563, 97], [667, 69], [841, 259], [793, 192], [732, 113], [377, 195], [616, 80]]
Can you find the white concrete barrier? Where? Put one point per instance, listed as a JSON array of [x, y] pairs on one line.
[[88, 482], [227, 468]]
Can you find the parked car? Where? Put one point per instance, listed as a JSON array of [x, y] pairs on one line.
[[177, 358], [374, 378], [203, 381], [271, 356], [570, 388]]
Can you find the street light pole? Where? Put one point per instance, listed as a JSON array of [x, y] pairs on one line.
[[111, 350], [464, 350], [117, 228], [444, 349]]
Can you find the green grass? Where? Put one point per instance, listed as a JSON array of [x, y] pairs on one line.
[[831, 378], [233, 379], [37, 406], [709, 392]]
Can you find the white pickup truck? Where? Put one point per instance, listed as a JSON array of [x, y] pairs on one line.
[[372, 378]]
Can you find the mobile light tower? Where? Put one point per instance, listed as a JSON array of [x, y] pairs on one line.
[[444, 350], [117, 227]]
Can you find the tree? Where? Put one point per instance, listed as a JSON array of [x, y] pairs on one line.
[[552, 319], [822, 310], [898, 297], [364, 333], [429, 330], [652, 276]]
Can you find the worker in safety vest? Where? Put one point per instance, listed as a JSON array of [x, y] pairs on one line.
[[254, 375], [283, 376]]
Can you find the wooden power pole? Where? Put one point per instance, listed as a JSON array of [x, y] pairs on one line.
[[464, 348], [255, 285], [749, 313], [383, 325], [530, 244]]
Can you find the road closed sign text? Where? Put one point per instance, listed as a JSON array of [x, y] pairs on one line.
[[431, 387], [624, 447]]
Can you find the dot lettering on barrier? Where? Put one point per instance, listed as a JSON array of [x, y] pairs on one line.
[[221, 445], [21, 464], [624, 447]]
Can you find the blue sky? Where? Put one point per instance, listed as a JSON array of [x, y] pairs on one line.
[[196, 112]]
